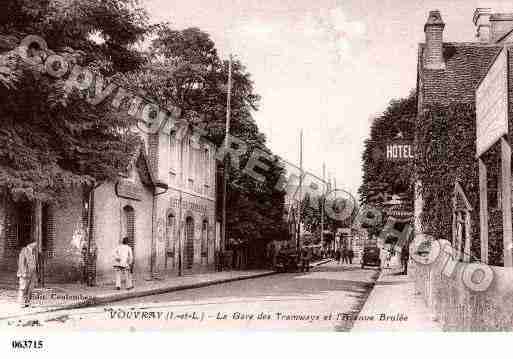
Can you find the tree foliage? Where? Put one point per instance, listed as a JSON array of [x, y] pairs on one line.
[[79, 24], [379, 175], [446, 138], [50, 141], [312, 207]]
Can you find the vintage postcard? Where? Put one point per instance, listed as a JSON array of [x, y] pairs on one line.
[[257, 165]]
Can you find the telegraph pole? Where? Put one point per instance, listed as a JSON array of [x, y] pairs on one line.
[[300, 188], [322, 202], [226, 163]]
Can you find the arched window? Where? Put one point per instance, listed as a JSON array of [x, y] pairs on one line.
[[129, 226]]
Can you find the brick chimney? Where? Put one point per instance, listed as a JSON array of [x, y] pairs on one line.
[[434, 29], [501, 26], [481, 21]]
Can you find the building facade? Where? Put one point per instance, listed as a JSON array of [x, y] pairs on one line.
[[164, 203], [453, 74], [185, 214], [449, 73]]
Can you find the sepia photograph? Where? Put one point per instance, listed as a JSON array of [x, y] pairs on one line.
[[250, 166]]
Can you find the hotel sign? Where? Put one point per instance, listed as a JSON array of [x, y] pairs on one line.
[[492, 105], [399, 151]]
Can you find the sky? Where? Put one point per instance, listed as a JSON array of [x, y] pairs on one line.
[[326, 66]]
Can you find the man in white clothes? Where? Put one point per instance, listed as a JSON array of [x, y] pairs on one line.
[[123, 260], [27, 273]]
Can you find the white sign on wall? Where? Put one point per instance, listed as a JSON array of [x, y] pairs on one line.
[[492, 105]]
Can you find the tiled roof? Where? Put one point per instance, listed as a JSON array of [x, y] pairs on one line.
[[465, 64]]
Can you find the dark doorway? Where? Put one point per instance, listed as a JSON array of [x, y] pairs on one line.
[[204, 241], [18, 234], [129, 227], [189, 242], [170, 236], [24, 218]]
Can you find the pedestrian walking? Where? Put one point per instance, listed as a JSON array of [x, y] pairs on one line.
[[27, 273], [405, 257], [350, 255], [305, 260], [338, 256], [272, 255], [123, 261], [345, 255]]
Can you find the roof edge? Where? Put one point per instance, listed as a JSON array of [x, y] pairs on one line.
[[155, 182], [504, 48]]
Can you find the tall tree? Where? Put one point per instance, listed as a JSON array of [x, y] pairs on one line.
[[105, 30], [50, 141]]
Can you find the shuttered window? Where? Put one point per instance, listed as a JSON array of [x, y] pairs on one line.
[[189, 242], [129, 220], [48, 235]]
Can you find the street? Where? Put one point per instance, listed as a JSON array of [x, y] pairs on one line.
[[325, 299]]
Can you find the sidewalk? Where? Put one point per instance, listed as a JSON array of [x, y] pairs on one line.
[[394, 296], [72, 296]]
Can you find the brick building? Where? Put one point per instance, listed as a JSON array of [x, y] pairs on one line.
[[478, 74], [449, 73], [165, 204]]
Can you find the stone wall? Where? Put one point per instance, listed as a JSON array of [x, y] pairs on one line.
[[63, 260], [456, 306], [109, 228], [62, 229]]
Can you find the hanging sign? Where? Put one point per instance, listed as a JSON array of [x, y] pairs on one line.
[[492, 105], [129, 190], [399, 151]]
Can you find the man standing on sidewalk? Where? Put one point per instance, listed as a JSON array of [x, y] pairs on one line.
[[123, 260], [27, 273]]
